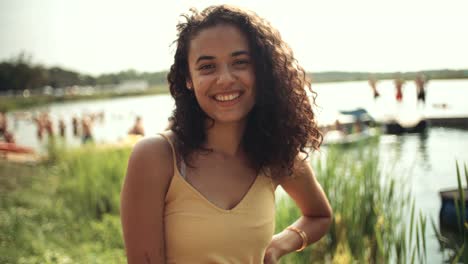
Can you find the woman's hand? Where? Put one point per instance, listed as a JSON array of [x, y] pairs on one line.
[[271, 256]]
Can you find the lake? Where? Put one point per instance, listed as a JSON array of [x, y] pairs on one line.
[[426, 161]]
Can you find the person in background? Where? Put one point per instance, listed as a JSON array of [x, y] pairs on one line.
[[62, 127], [9, 137], [421, 82], [5, 135], [243, 124], [399, 82], [86, 125], [48, 125], [137, 128], [39, 121], [76, 132], [3, 123], [373, 85]]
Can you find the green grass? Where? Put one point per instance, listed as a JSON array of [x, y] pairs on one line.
[[64, 212], [67, 210]]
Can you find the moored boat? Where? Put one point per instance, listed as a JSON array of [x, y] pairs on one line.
[[14, 148], [448, 211]]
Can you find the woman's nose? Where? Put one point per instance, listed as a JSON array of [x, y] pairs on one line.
[[226, 76]]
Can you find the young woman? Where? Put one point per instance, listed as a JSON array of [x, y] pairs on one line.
[[203, 192]]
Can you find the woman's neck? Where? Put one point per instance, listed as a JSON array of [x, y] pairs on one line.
[[225, 138]]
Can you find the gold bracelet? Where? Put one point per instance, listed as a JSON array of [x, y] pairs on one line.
[[300, 233]]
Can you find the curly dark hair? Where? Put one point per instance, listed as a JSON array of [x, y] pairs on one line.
[[281, 123]]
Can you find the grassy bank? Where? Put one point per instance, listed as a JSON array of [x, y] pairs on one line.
[[67, 210], [63, 212], [19, 102]]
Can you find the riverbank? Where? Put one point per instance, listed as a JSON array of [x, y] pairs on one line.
[[11, 103]]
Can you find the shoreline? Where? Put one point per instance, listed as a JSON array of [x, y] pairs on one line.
[[12, 103]]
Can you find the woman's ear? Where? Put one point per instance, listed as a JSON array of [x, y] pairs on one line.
[[189, 84]]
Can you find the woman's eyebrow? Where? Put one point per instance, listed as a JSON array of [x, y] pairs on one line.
[[234, 54], [204, 57], [238, 53]]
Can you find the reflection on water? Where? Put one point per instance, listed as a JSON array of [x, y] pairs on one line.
[[422, 150], [426, 162]]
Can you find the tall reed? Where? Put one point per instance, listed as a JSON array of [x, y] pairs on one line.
[[369, 224]]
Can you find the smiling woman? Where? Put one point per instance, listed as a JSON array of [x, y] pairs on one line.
[[223, 80], [203, 192]]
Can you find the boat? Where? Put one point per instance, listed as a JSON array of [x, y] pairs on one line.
[[351, 127], [361, 115], [14, 148], [16, 153], [448, 210]]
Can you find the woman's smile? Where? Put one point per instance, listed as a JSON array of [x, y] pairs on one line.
[[227, 99]]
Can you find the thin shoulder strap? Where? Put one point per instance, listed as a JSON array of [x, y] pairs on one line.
[[174, 157]]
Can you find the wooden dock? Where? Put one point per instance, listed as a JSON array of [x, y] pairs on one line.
[[395, 126], [398, 124], [453, 122]]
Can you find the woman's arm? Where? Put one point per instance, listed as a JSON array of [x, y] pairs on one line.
[[313, 203], [142, 200]]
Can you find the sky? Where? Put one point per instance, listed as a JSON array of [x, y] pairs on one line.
[[104, 36]]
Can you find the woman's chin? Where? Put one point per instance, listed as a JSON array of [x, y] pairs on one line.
[[230, 118]]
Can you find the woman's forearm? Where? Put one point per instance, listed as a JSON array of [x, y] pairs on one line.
[[288, 241]]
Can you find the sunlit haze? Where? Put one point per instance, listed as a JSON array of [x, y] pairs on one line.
[[366, 35]]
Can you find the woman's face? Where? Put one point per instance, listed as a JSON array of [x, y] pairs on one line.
[[222, 73]]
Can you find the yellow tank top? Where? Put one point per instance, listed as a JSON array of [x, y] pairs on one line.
[[197, 231]]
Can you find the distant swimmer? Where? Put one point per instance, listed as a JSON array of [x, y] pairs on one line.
[[61, 125], [87, 135], [137, 128], [75, 126], [441, 105], [39, 121], [48, 125]]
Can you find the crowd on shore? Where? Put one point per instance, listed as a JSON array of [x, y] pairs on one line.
[[46, 127]]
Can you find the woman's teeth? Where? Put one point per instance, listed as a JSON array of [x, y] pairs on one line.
[[226, 97]]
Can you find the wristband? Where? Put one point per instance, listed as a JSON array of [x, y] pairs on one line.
[[302, 234]]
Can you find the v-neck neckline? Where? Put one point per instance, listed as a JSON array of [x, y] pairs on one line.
[[206, 200]]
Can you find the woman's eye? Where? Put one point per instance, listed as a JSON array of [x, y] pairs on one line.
[[241, 62], [206, 67]]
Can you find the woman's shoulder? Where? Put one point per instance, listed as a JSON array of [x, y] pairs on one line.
[[152, 159], [157, 146]]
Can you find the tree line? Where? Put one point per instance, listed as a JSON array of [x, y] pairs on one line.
[[20, 73]]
